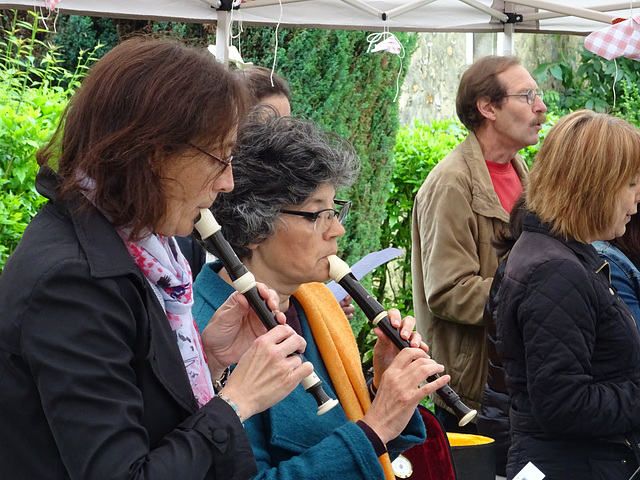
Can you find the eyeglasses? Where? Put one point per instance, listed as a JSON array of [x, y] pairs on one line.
[[530, 95], [322, 218], [225, 161]]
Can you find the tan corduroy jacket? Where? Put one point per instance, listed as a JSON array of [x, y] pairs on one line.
[[455, 215]]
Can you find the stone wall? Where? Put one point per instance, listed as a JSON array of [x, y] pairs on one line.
[[430, 87]]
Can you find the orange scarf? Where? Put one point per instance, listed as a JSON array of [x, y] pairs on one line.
[[337, 345]]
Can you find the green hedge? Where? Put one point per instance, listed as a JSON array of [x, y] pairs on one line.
[[335, 82], [31, 100]]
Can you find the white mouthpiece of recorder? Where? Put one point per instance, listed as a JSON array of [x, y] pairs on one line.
[[207, 225], [338, 268]]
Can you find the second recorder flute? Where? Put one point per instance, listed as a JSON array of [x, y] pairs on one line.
[[244, 281], [341, 273]]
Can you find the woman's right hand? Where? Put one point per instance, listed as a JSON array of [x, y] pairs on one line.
[[400, 392], [233, 329], [268, 371]]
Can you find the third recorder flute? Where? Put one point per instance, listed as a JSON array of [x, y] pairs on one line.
[[341, 273]]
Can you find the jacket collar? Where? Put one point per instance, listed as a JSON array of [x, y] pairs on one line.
[[485, 200], [106, 253], [587, 254]]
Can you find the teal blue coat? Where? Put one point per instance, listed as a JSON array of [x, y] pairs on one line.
[[289, 440]]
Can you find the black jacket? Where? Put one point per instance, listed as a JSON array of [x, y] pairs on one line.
[[571, 351], [92, 384], [493, 417]]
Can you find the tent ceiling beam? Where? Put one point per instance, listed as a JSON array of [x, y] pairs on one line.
[[607, 8], [407, 8], [264, 3], [500, 16], [585, 13]]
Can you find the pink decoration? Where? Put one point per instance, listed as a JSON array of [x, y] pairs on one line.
[[390, 44], [51, 4], [619, 40]]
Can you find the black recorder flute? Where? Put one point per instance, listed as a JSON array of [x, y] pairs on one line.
[[244, 281], [341, 273]]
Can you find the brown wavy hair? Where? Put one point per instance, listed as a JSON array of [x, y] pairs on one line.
[[137, 110], [262, 83], [584, 162], [480, 81]]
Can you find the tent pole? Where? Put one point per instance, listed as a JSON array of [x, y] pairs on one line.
[[508, 42], [222, 36]]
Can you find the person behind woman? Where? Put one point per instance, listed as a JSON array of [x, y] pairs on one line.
[[283, 221], [102, 370], [267, 88], [493, 417], [569, 345], [623, 256], [264, 89]]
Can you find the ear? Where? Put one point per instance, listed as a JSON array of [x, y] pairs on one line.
[[486, 108], [252, 246]]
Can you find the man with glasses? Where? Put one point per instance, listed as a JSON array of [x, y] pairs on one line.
[[464, 203]]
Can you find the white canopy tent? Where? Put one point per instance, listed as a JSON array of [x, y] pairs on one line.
[[530, 16]]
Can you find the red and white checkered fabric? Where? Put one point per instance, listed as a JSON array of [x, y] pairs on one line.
[[619, 40]]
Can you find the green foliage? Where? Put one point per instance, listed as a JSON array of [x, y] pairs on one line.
[[82, 38], [594, 83], [418, 149], [31, 101]]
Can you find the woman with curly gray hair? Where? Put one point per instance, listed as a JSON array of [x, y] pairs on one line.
[[283, 221]]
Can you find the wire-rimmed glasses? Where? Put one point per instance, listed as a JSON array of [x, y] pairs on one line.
[[224, 161], [322, 218], [530, 95]]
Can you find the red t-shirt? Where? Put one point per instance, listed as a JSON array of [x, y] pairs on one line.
[[506, 183]]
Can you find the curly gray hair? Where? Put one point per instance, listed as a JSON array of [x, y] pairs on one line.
[[279, 162]]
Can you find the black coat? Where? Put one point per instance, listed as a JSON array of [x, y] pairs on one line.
[[92, 383], [493, 417], [571, 352]]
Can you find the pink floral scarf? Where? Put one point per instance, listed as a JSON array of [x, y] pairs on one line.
[[169, 274]]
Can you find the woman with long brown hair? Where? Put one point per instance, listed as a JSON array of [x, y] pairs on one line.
[[103, 372]]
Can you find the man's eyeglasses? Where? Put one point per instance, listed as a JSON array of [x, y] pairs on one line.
[[225, 161], [530, 95], [322, 218]]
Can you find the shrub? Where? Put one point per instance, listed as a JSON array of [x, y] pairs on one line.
[[418, 149], [594, 83], [30, 105]]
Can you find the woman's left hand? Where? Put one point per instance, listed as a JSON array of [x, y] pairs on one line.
[[384, 351], [233, 329], [347, 307]]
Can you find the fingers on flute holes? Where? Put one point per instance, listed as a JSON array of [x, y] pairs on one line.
[[294, 343], [415, 339]]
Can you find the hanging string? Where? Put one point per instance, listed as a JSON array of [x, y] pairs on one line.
[[615, 79], [51, 8], [275, 53], [615, 62], [387, 41], [237, 36]]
